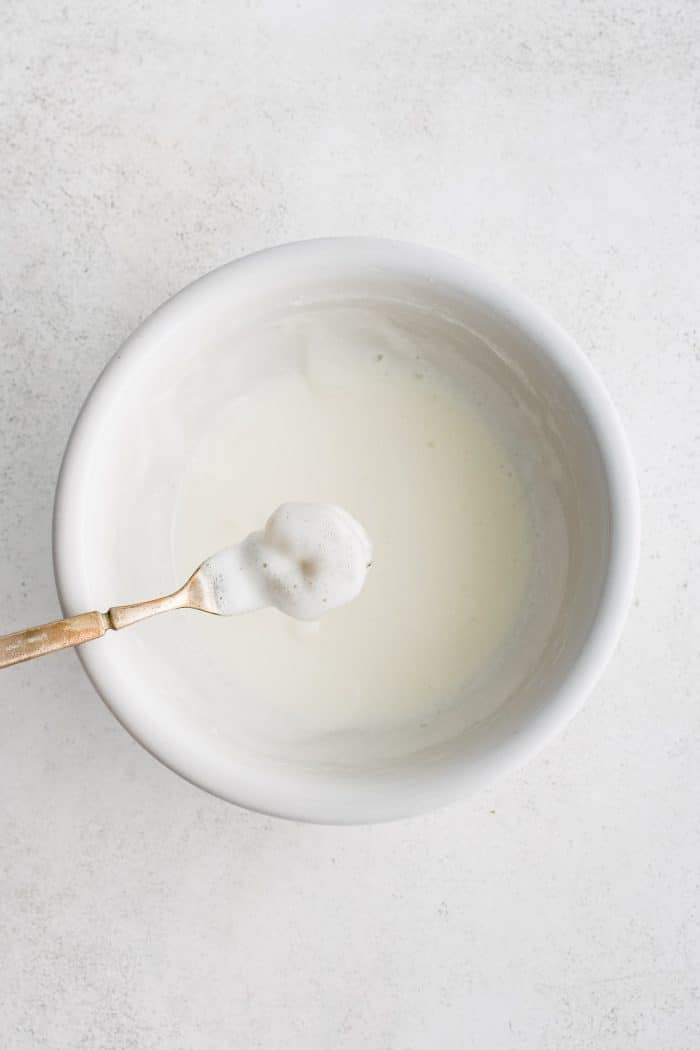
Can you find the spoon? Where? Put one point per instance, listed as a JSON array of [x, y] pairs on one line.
[[309, 558]]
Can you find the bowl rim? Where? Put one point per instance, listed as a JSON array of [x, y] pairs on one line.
[[346, 802]]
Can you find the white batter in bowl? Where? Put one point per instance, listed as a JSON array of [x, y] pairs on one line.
[[465, 432]]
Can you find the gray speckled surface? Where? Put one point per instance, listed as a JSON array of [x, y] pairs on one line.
[[558, 144]]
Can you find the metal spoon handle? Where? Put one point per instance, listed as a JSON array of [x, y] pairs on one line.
[[64, 634], [124, 615], [61, 634]]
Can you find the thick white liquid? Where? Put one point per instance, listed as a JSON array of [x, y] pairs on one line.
[[309, 559], [358, 419]]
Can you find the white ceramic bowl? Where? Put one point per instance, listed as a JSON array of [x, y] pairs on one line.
[[131, 413]]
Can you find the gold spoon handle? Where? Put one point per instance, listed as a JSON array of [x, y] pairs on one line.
[[124, 615], [61, 634]]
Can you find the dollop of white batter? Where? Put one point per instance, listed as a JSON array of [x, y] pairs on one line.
[[309, 558]]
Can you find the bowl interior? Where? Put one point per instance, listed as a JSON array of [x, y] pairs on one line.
[[121, 482]]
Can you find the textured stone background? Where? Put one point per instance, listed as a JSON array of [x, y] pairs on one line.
[[558, 144]]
